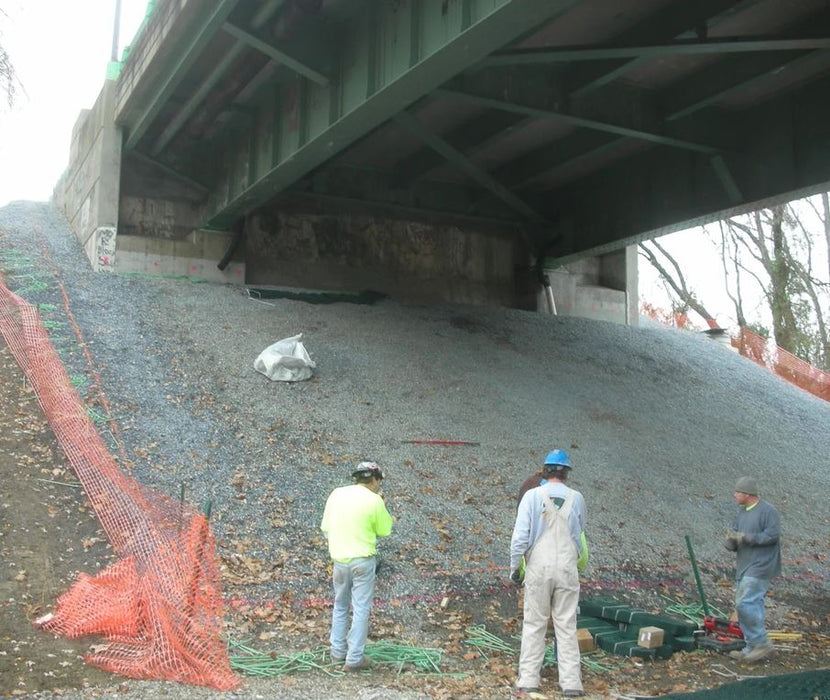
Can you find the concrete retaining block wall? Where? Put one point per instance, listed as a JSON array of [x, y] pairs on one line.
[[563, 285], [193, 257], [600, 304], [87, 193], [158, 217]]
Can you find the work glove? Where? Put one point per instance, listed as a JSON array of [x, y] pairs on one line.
[[733, 539], [517, 576], [582, 561]]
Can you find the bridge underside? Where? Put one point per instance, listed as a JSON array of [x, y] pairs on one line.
[[566, 126]]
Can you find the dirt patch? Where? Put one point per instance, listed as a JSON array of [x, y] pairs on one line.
[[48, 533]]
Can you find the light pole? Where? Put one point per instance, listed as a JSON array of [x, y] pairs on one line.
[[115, 28]]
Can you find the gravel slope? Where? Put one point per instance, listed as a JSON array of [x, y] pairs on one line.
[[659, 423]]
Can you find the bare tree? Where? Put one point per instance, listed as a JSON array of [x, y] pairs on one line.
[[769, 250], [814, 289], [731, 261], [7, 81], [824, 216], [780, 248], [774, 249], [675, 280], [8, 78]]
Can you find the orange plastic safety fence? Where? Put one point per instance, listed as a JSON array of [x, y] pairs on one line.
[[783, 363], [756, 348], [160, 605]]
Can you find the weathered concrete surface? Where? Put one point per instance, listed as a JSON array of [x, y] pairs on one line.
[[603, 287], [156, 203], [156, 217], [409, 260], [194, 257], [88, 191]]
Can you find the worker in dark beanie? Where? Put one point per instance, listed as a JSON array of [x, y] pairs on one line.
[[756, 540]]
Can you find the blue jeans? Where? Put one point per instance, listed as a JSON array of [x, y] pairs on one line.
[[353, 583], [749, 602]]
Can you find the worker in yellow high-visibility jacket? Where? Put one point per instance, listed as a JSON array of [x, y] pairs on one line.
[[354, 517]]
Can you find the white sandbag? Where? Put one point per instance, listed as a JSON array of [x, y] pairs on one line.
[[285, 361]]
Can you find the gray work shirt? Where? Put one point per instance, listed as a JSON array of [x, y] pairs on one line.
[[760, 554]]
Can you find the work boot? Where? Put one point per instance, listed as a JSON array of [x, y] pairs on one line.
[[363, 665], [759, 653], [525, 692]]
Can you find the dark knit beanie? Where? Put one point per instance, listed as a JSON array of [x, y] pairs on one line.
[[748, 485]]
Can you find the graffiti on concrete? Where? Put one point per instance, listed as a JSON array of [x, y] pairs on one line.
[[104, 249]]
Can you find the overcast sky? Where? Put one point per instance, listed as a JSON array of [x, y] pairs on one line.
[[702, 268], [60, 50]]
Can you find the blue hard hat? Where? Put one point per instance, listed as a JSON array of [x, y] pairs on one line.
[[558, 458]]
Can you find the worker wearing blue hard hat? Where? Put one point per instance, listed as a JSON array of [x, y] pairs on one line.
[[558, 458], [549, 536], [537, 479]]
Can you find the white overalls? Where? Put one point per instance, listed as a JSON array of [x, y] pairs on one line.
[[551, 590]]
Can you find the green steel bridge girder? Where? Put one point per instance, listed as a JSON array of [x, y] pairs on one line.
[[209, 84], [388, 59], [197, 44]]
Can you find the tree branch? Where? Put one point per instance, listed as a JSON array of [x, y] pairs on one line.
[[678, 285]]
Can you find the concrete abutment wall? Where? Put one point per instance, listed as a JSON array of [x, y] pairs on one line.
[[404, 259], [133, 217], [129, 218], [88, 191]]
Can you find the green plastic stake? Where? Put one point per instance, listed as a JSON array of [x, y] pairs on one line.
[[697, 577]]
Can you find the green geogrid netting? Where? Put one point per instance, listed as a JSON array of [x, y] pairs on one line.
[[809, 685]]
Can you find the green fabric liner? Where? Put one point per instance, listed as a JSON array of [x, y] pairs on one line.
[[795, 686], [315, 296]]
